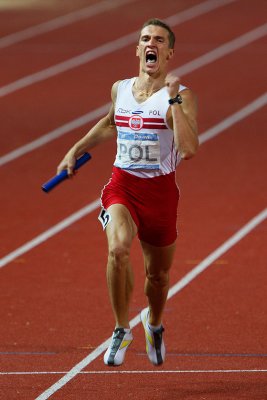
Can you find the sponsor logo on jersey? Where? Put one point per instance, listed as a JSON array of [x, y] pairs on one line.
[[123, 111], [137, 112]]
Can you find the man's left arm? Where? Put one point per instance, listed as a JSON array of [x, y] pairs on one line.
[[182, 118]]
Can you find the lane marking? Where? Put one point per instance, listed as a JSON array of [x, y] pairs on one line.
[[211, 355], [195, 355], [173, 290], [224, 49], [26, 353], [54, 134], [61, 21], [207, 135], [218, 252], [137, 372], [99, 112], [50, 232], [255, 105], [106, 48]]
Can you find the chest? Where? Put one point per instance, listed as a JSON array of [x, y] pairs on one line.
[[141, 107]]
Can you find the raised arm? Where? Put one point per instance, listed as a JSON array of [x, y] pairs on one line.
[[182, 118], [102, 131]]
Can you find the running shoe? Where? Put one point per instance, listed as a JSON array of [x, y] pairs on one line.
[[155, 347], [120, 341]]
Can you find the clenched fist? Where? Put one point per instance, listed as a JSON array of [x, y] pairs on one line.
[[173, 83]]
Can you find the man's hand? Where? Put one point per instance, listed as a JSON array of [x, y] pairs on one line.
[[173, 83], [67, 163]]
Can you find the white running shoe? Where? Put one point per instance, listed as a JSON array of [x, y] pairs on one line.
[[120, 341], [155, 346]]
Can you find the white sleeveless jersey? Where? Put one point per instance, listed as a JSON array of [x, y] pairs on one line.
[[145, 142]]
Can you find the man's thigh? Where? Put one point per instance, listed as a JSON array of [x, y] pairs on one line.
[[121, 228]]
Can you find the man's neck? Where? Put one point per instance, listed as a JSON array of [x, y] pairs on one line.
[[146, 86], [149, 84]]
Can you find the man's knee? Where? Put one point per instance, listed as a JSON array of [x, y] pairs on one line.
[[119, 254], [159, 278]]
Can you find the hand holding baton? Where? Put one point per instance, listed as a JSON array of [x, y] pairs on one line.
[[49, 185]]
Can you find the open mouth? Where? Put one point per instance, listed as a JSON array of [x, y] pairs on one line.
[[151, 57]]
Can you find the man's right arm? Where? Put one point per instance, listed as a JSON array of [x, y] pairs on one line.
[[102, 131]]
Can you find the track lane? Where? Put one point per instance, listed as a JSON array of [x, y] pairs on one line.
[[17, 16], [81, 37], [63, 20], [53, 48]]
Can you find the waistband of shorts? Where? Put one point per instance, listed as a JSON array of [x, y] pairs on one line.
[[124, 175]]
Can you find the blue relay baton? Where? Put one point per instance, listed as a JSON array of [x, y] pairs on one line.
[[49, 185]]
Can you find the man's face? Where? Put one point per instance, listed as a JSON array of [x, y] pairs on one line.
[[153, 49]]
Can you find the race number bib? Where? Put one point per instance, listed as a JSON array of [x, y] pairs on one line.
[[138, 150], [104, 217]]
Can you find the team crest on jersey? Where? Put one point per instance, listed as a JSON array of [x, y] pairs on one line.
[[136, 122]]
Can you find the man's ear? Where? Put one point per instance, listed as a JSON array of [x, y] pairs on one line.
[[171, 54], [137, 51]]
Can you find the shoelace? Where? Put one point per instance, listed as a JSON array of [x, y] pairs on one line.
[[157, 342], [117, 338]]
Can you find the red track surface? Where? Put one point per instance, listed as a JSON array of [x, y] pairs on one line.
[[54, 304]]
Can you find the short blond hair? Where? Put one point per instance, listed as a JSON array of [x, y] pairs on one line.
[[159, 22]]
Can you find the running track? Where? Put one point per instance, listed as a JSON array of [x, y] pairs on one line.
[[58, 63]]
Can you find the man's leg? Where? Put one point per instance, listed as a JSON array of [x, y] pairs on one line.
[[120, 233], [158, 262]]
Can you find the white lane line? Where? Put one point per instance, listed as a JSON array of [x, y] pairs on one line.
[[224, 49], [209, 134], [50, 232], [55, 134], [106, 48], [61, 21], [234, 118], [252, 224], [218, 252], [140, 372], [99, 112]]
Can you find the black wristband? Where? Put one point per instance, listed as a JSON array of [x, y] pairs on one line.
[[178, 99]]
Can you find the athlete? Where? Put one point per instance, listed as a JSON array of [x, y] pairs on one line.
[[155, 120]]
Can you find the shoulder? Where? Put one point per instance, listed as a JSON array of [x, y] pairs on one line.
[[120, 85], [114, 90]]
